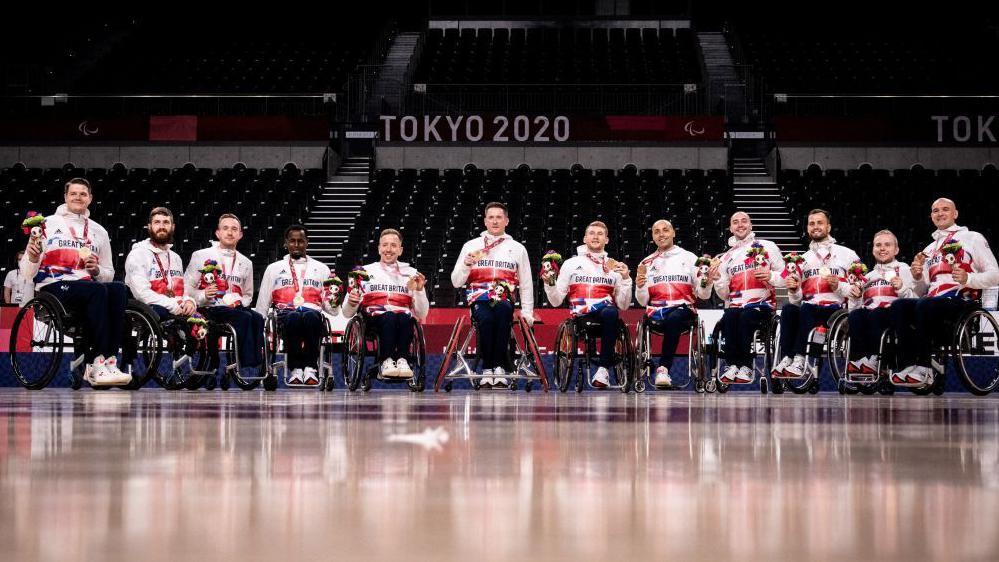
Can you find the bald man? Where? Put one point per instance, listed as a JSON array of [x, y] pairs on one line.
[[667, 286], [745, 277], [950, 272]]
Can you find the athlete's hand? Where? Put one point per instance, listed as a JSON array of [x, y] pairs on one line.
[[354, 297], [960, 275]]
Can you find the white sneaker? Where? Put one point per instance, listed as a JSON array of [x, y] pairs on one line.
[[403, 371], [744, 376], [100, 373], [662, 377], [389, 369], [919, 375], [311, 376], [499, 381], [900, 377], [869, 365], [780, 367], [487, 379], [728, 377], [797, 367], [117, 375], [601, 379], [92, 369], [296, 376]]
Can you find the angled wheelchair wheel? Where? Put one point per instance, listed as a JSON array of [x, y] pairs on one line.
[[142, 345], [565, 354], [37, 342], [418, 355], [353, 354], [976, 352]]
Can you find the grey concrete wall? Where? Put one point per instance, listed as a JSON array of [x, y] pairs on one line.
[[165, 156], [549, 157], [887, 157]]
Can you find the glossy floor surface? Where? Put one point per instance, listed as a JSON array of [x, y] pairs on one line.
[[153, 475]]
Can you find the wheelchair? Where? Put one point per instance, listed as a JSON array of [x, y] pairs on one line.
[[820, 340], [276, 357], [762, 347], [576, 350], [188, 361], [359, 356], [44, 331], [204, 368], [461, 359], [970, 343], [645, 330]]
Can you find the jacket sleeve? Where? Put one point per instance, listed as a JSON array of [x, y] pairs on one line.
[[985, 272], [526, 285], [556, 293], [104, 260], [248, 289], [264, 299], [622, 292], [459, 275], [192, 280]]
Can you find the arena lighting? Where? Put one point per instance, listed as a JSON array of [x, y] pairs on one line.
[[689, 88], [420, 88]]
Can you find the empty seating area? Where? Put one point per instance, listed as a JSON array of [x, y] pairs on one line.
[[233, 54], [266, 200], [439, 210], [559, 56], [888, 60], [866, 200]]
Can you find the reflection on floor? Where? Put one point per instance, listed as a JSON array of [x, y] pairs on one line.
[[154, 475]]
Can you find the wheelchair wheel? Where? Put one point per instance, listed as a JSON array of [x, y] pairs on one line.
[[624, 352], [230, 354], [354, 350], [838, 352], [976, 352], [142, 345], [565, 353], [418, 354], [36, 342]]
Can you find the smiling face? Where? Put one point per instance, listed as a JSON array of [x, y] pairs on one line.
[[595, 239], [818, 227], [943, 213], [740, 225], [78, 198], [663, 234], [885, 248], [389, 248]]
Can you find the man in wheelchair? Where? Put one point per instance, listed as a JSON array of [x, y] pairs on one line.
[[951, 272], [491, 268], [821, 290], [667, 285], [598, 287], [220, 279], [870, 299], [393, 294], [745, 277], [293, 285], [70, 258], [155, 274]]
